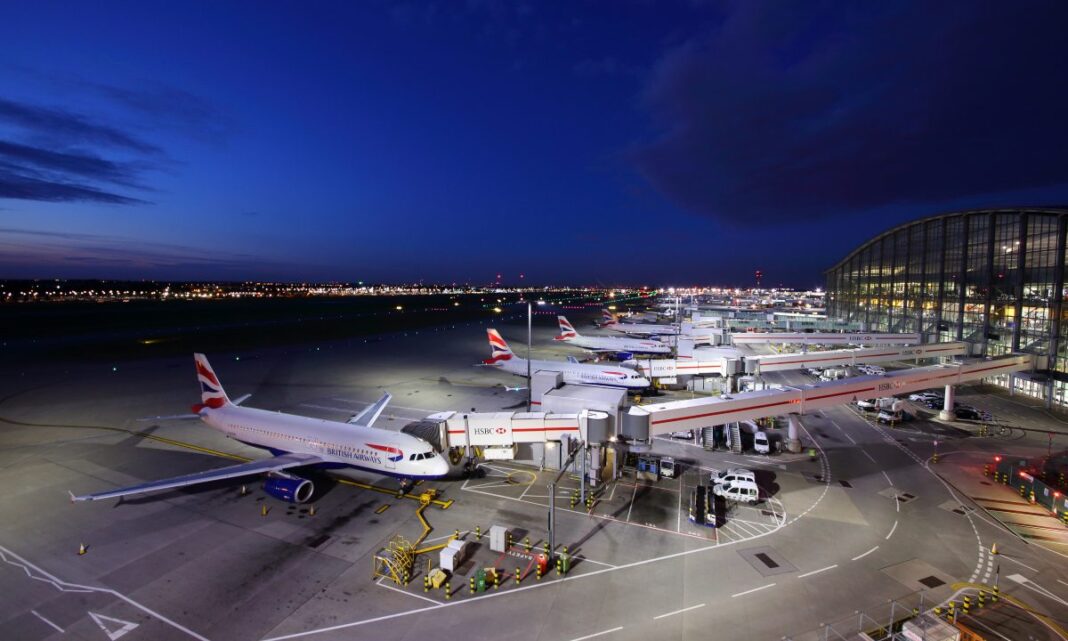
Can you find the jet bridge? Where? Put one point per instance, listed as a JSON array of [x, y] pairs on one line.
[[698, 365], [762, 364], [645, 421], [823, 338]]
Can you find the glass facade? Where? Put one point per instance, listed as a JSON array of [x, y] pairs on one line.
[[993, 278]]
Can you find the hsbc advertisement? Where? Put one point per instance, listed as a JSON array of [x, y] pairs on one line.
[[490, 430]]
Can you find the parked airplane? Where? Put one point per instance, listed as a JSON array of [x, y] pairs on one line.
[[623, 347], [501, 357], [610, 321], [297, 442]]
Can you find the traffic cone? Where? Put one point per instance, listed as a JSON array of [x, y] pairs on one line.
[[311, 510], [82, 549], [263, 509], [994, 549]]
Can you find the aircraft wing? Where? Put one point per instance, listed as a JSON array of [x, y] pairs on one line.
[[368, 415], [275, 464]]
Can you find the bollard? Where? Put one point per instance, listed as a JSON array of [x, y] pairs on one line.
[[938, 612], [518, 577], [263, 509], [995, 594], [509, 539], [426, 583], [967, 604], [1032, 499], [407, 579], [526, 544], [478, 532], [915, 612], [311, 510], [472, 585], [537, 572], [934, 457], [448, 590], [982, 599], [546, 548], [456, 534], [559, 566], [986, 469], [496, 580], [82, 549]]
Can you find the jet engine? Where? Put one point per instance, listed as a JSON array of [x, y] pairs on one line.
[[289, 488]]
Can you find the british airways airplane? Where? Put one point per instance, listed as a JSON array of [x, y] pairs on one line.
[[502, 358], [297, 442], [623, 347]]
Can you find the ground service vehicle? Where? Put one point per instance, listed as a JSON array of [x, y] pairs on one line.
[[732, 475], [761, 445], [667, 467], [738, 490]]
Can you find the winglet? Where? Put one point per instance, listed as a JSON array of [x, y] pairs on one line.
[[370, 413]]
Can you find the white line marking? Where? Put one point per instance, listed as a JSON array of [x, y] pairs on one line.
[[849, 437], [763, 587], [669, 614], [829, 567], [1009, 558], [26, 566], [597, 634], [380, 584], [891, 531], [857, 558], [888, 478], [38, 615], [870, 458], [583, 558]]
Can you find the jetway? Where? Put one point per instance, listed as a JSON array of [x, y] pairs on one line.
[[506, 429], [645, 421], [762, 364], [729, 365], [823, 338]]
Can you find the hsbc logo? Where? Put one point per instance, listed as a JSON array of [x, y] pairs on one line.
[[489, 431]]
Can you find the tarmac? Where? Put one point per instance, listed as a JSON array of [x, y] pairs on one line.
[[856, 536]]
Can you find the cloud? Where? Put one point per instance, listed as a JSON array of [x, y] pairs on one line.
[[69, 127], [169, 107], [30, 251], [15, 184], [802, 110], [60, 157]]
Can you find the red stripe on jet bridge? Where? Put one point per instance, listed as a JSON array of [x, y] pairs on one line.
[[546, 429], [737, 409], [829, 358]]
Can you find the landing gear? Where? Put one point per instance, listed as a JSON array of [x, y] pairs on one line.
[[473, 470], [406, 486]]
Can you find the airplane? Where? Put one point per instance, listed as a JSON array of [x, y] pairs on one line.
[[610, 321], [297, 442], [502, 358], [623, 347]]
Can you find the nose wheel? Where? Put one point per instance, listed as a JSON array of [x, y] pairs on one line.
[[406, 486]]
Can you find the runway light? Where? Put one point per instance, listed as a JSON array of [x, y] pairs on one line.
[[114, 369], [399, 308], [497, 309]]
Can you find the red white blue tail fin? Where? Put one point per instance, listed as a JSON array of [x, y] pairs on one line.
[[567, 331], [211, 391], [499, 350], [608, 318]]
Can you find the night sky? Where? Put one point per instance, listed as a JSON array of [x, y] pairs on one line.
[[581, 142]]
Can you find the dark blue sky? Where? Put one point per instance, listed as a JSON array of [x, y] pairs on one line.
[[586, 142]]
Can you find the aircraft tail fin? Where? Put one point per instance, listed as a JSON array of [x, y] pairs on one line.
[[211, 391], [608, 318], [567, 331], [499, 350]]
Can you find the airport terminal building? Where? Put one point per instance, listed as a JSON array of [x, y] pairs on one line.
[[991, 277]]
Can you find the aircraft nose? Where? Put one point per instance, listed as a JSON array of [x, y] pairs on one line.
[[442, 467]]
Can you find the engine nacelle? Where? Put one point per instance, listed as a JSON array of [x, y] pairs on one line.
[[291, 489]]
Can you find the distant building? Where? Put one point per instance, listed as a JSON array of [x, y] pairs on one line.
[[992, 277]]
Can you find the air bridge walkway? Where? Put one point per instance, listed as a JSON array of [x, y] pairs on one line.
[[645, 421], [823, 338], [697, 365]]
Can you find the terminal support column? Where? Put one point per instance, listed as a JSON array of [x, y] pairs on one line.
[[793, 438], [948, 413]]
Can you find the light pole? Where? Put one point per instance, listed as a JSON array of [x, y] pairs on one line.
[[530, 323]]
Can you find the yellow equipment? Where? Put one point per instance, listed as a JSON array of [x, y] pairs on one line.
[[438, 578]]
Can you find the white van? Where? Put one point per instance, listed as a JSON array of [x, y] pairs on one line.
[[761, 445], [739, 490], [730, 476], [667, 467]]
